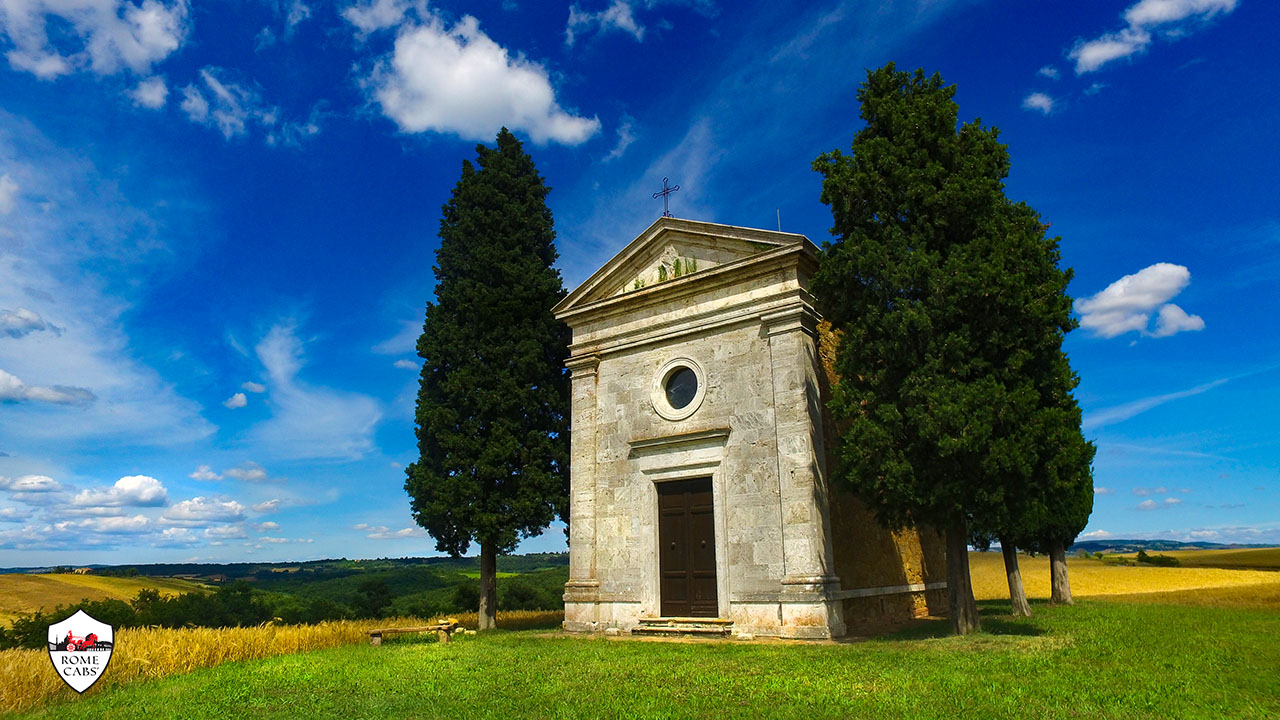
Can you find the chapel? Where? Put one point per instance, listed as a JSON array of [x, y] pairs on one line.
[[701, 496]]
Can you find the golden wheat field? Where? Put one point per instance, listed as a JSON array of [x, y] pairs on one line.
[[1091, 577], [1258, 558], [22, 593], [148, 653]]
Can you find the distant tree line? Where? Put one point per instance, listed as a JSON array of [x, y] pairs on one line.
[[239, 604]]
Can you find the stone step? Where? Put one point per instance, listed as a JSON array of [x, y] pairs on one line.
[[670, 630], [708, 621], [671, 626]]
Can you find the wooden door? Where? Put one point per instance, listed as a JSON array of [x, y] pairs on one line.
[[687, 541]]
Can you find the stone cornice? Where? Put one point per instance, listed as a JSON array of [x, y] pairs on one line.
[[796, 317], [667, 443], [583, 365], [796, 302]]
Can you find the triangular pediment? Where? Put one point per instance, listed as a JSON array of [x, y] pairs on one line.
[[672, 249]]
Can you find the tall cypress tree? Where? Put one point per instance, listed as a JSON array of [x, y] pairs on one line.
[[947, 295], [493, 403]]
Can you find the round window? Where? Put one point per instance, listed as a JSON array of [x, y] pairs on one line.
[[681, 387], [678, 388]]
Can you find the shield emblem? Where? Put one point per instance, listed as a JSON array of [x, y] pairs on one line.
[[80, 648]]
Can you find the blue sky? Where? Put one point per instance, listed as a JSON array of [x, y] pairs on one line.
[[217, 225]]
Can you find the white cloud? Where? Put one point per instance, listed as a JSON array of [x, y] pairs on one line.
[[225, 532], [1126, 304], [1144, 18], [176, 537], [130, 491], [1119, 413], [1093, 54], [1154, 505], [150, 93], [236, 401], [1102, 491], [625, 138], [273, 540], [382, 532], [22, 321], [403, 342], [205, 473], [120, 525], [1038, 101], [14, 390], [1096, 535], [291, 133], [14, 515], [374, 15], [194, 104], [617, 16], [254, 387], [58, 37], [268, 506], [460, 81], [248, 472], [1172, 320], [8, 194], [406, 364], [1161, 12], [30, 484], [229, 106], [308, 421], [268, 526], [202, 511], [1048, 71], [297, 13]]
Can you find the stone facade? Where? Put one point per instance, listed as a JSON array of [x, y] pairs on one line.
[[792, 557]]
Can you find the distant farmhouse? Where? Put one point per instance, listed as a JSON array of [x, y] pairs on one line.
[[701, 447]]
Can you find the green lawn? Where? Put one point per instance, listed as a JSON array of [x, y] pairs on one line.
[[1095, 660]]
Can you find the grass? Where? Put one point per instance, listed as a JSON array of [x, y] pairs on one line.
[[150, 653], [1097, 659], [1095, 578], [21, 593], [1142, 642]]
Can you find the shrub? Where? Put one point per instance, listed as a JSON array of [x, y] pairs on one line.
[[1158, 560]]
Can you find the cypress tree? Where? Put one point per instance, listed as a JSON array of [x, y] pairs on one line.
[[493, 403], [950, 301]]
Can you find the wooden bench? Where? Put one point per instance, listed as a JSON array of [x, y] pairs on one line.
[[442, 630]]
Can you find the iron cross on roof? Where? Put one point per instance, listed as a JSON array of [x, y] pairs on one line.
[[666, 212]]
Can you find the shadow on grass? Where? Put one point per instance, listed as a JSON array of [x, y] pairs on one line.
[[410, 639], [994, 616]]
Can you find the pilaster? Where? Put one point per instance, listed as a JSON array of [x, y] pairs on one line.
[[582, 590]]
